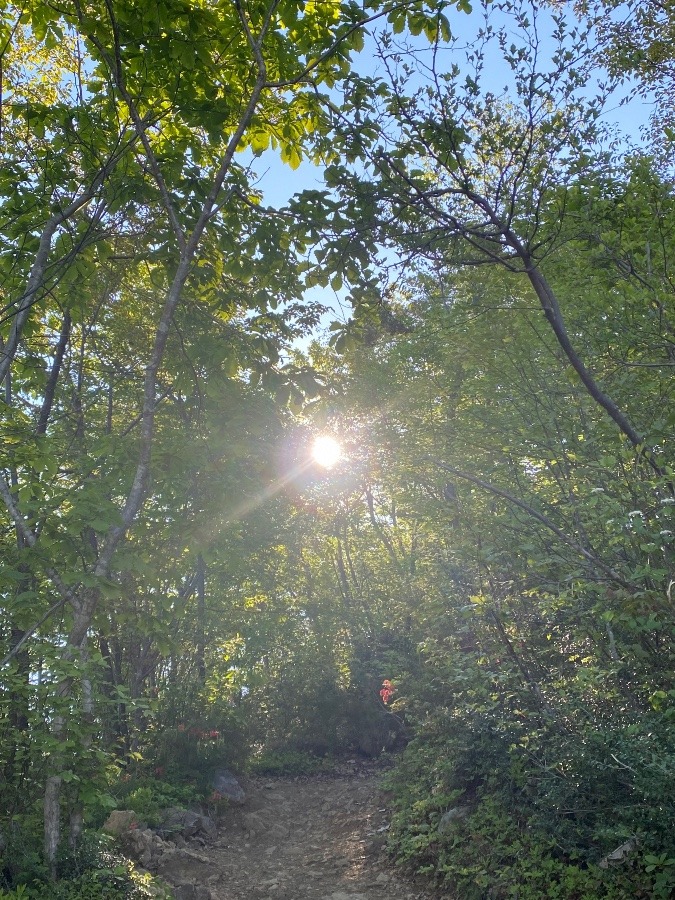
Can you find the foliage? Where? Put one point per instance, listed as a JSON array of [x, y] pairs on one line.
[[534, 820], [94, 870], [635, 41], [287, 762], [194, 736], [488, 571], [148, 302], [150, 798]]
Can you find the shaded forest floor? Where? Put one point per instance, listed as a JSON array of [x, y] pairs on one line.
[[317, 837]]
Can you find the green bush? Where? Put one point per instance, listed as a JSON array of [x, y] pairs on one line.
[[537, 815], [93, 872], [118, 880], [21, 892], [22, 860], [149, 798], [287, 762]]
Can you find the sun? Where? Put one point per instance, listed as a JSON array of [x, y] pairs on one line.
[[326, 451]]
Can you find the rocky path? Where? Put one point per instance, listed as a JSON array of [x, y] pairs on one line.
[[309, 838]]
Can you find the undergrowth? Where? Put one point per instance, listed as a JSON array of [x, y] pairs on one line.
[[96, 871], [489, 819], [288, 762]]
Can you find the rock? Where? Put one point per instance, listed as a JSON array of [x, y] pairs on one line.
[[202, 892], [207, 827], [254, 823], [187, 823], [119, 821], [178, 821], [225, 784], [184, 891], [176, 865], [187, 891], [619, 855], [452, 815], [139, 845]]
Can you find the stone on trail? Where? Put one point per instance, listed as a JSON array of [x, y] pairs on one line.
[[341, 895], [139, 844], [175, 865], [225, 784], [207, 827], [191, 892]]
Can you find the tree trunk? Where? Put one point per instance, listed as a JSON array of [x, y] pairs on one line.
[[201, 619], [75, 649]]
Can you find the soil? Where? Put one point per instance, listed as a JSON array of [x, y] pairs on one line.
[[317, 837]]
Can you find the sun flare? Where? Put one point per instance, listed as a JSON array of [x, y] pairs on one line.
[[326, 451]]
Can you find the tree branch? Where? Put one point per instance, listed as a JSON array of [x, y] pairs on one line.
[[30, 539], [535, 514]]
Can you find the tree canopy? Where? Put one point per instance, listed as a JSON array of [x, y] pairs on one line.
[[183, 586]]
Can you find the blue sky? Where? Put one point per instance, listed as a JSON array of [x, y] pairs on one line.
[[279, 182]]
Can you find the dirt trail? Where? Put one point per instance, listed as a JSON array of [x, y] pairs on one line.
[[308, 838]]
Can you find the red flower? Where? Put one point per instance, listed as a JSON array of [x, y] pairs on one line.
[[387, 691]]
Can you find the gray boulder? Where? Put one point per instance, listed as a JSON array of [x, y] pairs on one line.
[[139, 845], [225, 784], [207, 827], [187, 823], [119, 822], [176, 820]]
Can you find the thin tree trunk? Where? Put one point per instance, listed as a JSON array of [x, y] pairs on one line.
[[554, 317], [36, 279], [77, 812], [76, 647], [201, 619], [520, 665]]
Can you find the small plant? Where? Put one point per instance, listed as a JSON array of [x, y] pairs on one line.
[[150, 798], [21, 892], [662, 868], [95, 871], [287, 762]]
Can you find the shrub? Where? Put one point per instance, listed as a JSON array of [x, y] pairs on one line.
[[93, 872], [538, 815], [149, 798], [287, 762]]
